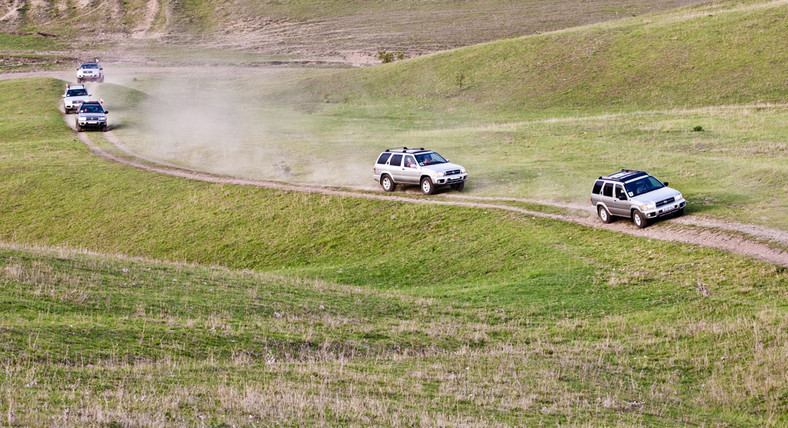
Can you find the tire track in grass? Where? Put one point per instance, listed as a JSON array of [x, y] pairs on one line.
[[762, 232], [726, 236]]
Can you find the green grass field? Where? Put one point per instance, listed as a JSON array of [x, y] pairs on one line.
[[494, 317]]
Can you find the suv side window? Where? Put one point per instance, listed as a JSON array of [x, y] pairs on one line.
[[410, 162], [383, 158], [597, 186], [608, 190], [396, 160], [620, 191]]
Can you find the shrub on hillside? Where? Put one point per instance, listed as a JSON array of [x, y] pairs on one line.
[[387, 57]]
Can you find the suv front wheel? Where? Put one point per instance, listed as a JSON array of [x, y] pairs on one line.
[[426, 186], [640, 219], [387, 183]]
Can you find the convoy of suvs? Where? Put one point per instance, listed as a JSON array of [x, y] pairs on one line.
[[627, 193], [90, 114]]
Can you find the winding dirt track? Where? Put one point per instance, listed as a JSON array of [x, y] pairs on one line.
[[758, 242], [748, 240]]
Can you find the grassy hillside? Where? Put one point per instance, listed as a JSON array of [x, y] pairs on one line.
[[407, 314], [540, 116], [318, 28], [710, 54], [119, 341], [131, 298]]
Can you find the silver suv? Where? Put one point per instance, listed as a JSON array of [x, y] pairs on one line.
[[636, 195], [91, 114], [423, 167], [74, 96]]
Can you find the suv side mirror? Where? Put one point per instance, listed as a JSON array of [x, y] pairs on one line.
[[666, 184]]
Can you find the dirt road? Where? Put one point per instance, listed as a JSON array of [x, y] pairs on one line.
[[754, 241], [750, 240]]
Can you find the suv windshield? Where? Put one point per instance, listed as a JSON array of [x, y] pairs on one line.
[[431, 158], [91, 109], [90, 66], [77, 92], [643, 185]]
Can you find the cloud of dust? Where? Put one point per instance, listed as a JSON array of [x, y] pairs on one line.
[[219, 120]]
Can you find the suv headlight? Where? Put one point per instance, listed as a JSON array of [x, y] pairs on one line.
[[440, 174], [649, 206], [679, 196], [462, 170]]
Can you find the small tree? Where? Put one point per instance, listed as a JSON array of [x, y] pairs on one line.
[[460, 80]]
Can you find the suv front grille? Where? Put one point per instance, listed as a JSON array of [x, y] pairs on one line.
[[665, 202], [452, 172]]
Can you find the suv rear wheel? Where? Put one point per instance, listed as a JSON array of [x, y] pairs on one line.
[[604, 215], [426, 186], [639, 219], [387, 183]]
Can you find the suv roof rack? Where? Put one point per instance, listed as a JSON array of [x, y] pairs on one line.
[[405, 149], [623, 175]]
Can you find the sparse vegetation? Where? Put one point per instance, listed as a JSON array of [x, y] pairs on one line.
[[460, 80], [386, 57], [29, 41], [346, 25]]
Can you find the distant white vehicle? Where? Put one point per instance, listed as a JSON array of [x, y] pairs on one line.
[[90, 72], [74, 96]]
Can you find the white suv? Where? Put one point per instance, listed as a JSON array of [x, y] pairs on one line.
[[422, 167], [74, 96], [90, 71]]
